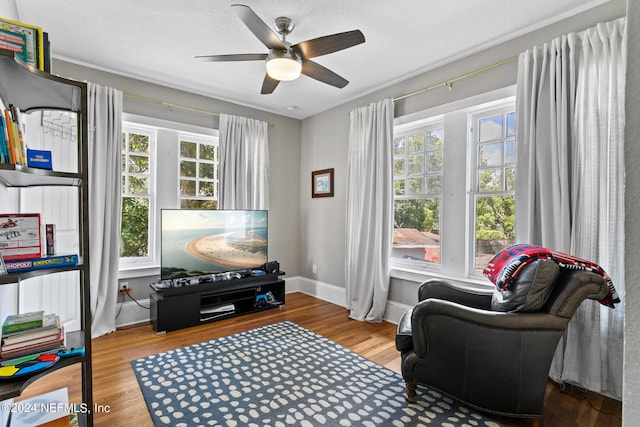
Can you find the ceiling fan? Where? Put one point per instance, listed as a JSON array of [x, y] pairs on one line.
[[286, 61]]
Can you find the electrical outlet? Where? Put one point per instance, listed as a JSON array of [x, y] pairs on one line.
[[124, 288], [314, 269]]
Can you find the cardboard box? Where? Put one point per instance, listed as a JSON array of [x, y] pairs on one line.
[[20, 236], [55, 261]]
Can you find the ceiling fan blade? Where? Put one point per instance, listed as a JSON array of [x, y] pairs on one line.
[[269, 85], [238, 57], [329, 44], [258, 27], [320, 73]]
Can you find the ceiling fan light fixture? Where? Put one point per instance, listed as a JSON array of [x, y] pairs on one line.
[[283, 65]]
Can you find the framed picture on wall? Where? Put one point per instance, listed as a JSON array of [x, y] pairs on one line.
[[322, 183]]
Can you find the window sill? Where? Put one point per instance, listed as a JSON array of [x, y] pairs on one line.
[[131, 271], [419, 276]]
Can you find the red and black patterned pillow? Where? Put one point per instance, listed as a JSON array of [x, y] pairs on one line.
[[508, 264]]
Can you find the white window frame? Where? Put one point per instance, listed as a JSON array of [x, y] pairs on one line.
[[128, 263], [166, 152], [455, 216], [475, 114], [430, 123], [199, 139]]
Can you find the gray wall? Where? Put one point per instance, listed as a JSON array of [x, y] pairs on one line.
[[325, 139], [631, 382], [8, 10], [284, 153]]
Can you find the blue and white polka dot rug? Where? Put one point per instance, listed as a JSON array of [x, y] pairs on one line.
[[282, 375]]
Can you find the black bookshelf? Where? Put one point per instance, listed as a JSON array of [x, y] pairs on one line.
[[31, 89]]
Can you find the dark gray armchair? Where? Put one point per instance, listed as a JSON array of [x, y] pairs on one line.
[[498, 362]]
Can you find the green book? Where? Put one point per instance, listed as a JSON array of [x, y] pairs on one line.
[[23, 322]]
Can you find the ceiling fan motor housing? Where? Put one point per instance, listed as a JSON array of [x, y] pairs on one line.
[[284, 65]]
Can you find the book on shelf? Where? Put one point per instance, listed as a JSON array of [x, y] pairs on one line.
[[46, 52], [50, 327], [8, 136], [18, 125], [5, 155], [23, 321], [13, 146], [34, 37], [14, 42], [48, 336], [56, 338], [13, 136], [56, 261], [55, 344]]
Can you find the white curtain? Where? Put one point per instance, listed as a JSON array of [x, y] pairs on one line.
[[105, 129], [570, 182], [244, 163], [369, 223]]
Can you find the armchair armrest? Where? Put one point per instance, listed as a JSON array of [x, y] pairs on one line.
[[443, 290], [404, 338]]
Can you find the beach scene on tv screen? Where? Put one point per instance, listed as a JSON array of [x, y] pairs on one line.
[[205, 242]]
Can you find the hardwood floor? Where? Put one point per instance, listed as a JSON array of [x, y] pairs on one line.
[[116, 388]]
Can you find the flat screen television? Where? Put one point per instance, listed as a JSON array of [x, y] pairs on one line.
[[198, 242]]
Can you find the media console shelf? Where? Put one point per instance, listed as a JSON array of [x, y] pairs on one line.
[[180, 307]]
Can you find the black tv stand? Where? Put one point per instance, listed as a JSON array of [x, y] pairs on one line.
[[194, 301]]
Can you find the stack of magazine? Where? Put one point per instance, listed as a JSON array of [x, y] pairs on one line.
[[29, 333]]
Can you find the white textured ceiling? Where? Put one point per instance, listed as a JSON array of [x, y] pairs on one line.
[[156, 40]]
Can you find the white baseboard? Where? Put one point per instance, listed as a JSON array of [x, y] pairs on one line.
[[131, 313], [338, 295], [324, 291], [394, 311]]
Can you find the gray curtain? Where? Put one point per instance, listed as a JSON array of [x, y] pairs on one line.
[[369, 224], [570, 182], [244, 163], [105, 135]]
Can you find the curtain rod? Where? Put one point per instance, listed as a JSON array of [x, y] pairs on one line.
[[177, 106], [449, 83]]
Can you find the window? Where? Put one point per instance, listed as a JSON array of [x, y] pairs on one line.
[[179, 159], [454, 187], [138, 188], [198, 178], [493, 143], [418, 156]]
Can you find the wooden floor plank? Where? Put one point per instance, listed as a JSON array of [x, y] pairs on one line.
[[116, 387]]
